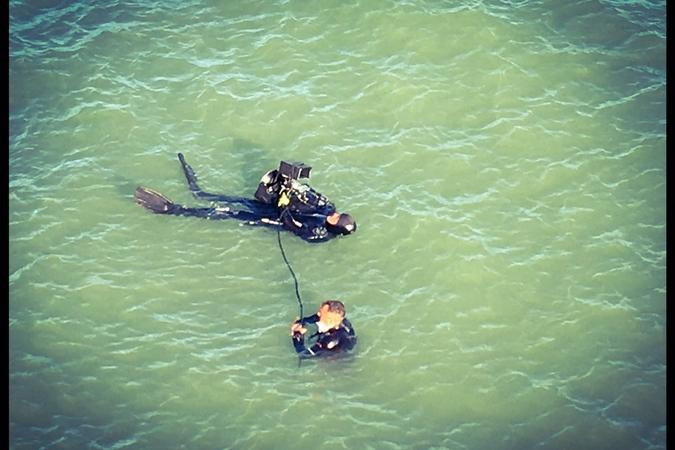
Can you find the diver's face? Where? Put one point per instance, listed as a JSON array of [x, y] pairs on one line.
[[333, 218], [328, 320]]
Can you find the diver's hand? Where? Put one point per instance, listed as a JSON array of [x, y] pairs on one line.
[[297, 328]]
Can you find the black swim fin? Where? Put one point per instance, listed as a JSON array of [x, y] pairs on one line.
[[152, 200]]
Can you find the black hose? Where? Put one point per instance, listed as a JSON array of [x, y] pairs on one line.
[[295, 279]]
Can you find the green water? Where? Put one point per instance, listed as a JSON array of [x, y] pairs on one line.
[[505, 163]]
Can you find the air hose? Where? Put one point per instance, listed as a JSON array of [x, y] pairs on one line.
[[295, 279]]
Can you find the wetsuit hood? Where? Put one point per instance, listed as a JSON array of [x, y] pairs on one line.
[[344, 225]]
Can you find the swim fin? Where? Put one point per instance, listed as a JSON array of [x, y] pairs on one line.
[[152, 200]]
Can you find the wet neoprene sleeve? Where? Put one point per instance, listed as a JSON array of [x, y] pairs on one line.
[[314, 318], [343, 338]]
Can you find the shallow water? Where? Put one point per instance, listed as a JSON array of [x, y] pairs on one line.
[[504, 160]]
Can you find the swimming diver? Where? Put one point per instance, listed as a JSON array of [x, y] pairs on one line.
[[281, 201], [334, 332]]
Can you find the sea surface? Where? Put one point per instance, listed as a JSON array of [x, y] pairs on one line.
[[505, 163]]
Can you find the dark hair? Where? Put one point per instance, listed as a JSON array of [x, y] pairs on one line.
[[344, 225], [335, 306]]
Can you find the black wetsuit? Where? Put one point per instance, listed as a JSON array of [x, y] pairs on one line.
[[332, 341], [303, 212]]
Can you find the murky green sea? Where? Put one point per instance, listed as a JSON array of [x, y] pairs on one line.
[[504, 160]]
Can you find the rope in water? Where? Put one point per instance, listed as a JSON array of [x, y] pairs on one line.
[[295, 279]]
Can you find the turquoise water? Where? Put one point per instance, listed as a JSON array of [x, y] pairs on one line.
[[504, 160]]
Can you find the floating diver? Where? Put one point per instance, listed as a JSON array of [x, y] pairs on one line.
[[281, 201], [334, 332]]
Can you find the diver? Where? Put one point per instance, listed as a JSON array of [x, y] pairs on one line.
[[334, 332], [281, 202]]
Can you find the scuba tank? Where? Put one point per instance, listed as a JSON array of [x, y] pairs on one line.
[[276, 189], [268, 188]]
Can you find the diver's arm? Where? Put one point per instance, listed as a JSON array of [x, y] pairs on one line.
[[286, 217], [308, 227], [314, 318], [298, 331], [305, 352], [298, 340]]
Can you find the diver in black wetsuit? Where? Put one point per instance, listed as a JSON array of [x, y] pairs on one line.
[[280, 201], [335, 333]]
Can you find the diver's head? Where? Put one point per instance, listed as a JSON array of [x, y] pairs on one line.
[[331, 313], [340, 223]]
